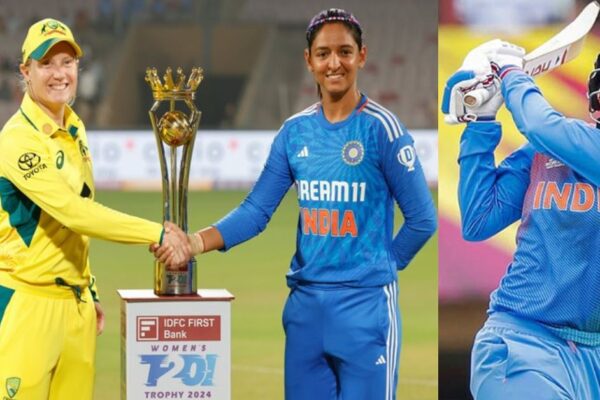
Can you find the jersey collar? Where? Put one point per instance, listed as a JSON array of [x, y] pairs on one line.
[[42, 122], [336, 125]]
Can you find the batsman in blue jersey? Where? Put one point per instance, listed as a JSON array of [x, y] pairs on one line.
[[542, 336], [349, 160]]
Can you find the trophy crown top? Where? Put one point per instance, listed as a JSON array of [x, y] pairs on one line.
[[169, 89]]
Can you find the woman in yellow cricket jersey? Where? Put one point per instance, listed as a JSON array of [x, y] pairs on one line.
[[49, 313]]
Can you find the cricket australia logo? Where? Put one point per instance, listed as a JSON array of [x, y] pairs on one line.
[[12, 387], [53, 26], [407, 157], [83, 149], [353, 152]]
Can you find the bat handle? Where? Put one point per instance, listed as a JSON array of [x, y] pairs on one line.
[[476, 98]]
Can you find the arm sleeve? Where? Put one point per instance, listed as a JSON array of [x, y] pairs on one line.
[[571, 141], [405, 179], [490, 198], [252, 215], [49, 191]]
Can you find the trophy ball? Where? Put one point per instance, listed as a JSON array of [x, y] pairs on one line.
[[174, 128]]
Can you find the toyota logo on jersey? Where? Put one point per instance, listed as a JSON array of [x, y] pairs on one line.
[[28, 160]]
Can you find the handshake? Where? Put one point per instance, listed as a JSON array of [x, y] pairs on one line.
[[177, 247]]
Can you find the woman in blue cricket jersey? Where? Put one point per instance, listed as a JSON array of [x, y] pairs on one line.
[[542, 336], [350, 160]]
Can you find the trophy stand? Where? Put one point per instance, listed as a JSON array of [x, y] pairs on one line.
[[176, 339], [176, 347]]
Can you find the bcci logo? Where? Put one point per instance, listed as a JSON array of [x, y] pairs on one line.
[[28, 161], [12, 387], [407, 157], [353, 153]]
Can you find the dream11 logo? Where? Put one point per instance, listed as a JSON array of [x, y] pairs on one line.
[[196, 370]]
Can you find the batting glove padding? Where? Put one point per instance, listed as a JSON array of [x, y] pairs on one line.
[[501, 53], [473, 92], [469, 97]]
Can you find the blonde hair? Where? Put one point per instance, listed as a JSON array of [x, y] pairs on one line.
[[22, 81]]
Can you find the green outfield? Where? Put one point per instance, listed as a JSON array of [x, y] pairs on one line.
[[254, 272]]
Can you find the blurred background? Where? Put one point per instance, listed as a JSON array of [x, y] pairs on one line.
[[251, 52], [469, 272], [255, 77]]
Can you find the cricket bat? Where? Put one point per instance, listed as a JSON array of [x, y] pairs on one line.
[[564, 46], [560, 49]]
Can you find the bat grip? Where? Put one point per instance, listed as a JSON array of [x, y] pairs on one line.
[[476, 98]]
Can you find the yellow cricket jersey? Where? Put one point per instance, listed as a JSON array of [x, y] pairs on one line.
[[47, 207]]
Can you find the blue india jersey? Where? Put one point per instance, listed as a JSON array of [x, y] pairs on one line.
[[551, 185], [347, 176]]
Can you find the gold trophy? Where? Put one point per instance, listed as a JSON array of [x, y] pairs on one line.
[[175, 133]]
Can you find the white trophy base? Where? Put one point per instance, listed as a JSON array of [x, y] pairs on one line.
[[176, 347]]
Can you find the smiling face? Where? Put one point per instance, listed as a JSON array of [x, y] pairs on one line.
[[52, 81], [334, 59]]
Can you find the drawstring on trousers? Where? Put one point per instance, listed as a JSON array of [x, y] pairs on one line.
[[76, 289]]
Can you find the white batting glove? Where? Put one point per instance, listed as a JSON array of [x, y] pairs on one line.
[[473, 92], [501, 53]]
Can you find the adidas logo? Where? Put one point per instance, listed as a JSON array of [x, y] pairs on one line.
[[380, 360], [303, 153]]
